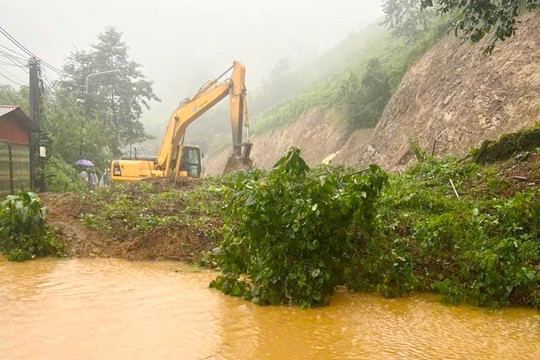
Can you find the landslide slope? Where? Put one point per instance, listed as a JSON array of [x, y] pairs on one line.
[[450, 100], [317, 132], [454, 97]]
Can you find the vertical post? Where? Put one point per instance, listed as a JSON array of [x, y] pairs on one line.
[[35, 115], [10, 161]]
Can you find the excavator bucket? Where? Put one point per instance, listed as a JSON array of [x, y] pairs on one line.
[[237, 163], [242, 162]]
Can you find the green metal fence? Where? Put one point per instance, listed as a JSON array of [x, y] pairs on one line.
[[14, 168]]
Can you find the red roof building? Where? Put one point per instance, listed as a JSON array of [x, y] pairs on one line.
[[15, 130], [15, 125]]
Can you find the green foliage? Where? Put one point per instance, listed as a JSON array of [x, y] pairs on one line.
[[72, 134], [507, 146], [287, 232], [60, 177], [479, 248], [327, 94], [116, 99], [293, 234], [476, 19], [406, 18], [10, 96], [23, 232], [486, 255], [128, 209], [364, 100]]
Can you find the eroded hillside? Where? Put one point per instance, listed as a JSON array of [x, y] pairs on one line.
[[453, 98]]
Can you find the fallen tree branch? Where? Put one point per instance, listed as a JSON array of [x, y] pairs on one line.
[[453, 187]]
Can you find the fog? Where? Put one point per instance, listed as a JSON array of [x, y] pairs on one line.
[[181, 44]]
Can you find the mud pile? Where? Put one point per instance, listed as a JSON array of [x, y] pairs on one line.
[[173, 241]]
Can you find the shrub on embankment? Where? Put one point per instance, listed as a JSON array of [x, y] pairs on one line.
[[479, 244], [293, 234], [23, 231], [287, 232]]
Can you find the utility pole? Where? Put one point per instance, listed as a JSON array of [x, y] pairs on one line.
[[35, 115]]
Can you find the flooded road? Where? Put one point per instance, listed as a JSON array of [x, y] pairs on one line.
[[112, 309]]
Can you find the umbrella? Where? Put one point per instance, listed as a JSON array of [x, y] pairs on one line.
[[83, 162]]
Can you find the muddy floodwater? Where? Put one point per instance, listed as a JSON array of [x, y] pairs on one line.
[[112, 309]]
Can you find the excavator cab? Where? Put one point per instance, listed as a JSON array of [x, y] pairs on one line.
[[191, 163]]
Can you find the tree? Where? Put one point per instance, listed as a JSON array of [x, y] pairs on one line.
[[71, 133], [407, 18], [474, 19], [116, 99], [364, 99], [10, 96]]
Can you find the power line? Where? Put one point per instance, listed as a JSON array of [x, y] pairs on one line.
[[14, 60], [11, 64], [14, 53], [12, 75], [30, 53], [13, 81], [47, 80]]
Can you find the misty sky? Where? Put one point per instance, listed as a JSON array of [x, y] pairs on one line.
[[183, 43]]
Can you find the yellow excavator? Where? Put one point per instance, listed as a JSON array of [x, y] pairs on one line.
[[178, 160]]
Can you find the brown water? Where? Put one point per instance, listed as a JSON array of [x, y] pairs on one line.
[[111, 309]]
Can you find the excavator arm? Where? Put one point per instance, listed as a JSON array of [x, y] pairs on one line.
[[173, 155], [210, 94]]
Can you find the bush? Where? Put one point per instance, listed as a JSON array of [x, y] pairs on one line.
[[287, 238], [364, 99], [479, 248], [61, 177], [23, 232]]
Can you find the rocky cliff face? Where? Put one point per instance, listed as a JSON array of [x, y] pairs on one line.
[[453, 98]]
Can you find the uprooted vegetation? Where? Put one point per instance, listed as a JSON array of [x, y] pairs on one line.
[[286, 238], [293, 234], [468, 231]]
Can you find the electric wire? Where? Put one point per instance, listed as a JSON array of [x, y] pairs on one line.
[[12, 75], [13, 52], [11, 64], [14, 60], [13, 81], [30, 53], [47, 81]]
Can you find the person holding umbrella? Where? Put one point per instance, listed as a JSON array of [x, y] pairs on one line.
[[85, 173]]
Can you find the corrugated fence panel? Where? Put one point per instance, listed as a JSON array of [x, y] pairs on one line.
[[14, 168], [20, 155], [5, 188]]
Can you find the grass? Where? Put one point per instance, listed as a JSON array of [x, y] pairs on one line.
[[326, 94]]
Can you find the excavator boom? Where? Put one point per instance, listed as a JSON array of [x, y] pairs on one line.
[[173, 157], [210, 94]]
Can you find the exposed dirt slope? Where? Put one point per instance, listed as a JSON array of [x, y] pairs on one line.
[[317, 133], [455, 97], [452, 99], [174, 242]]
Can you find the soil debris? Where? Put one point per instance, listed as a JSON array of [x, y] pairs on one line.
[[166, 242]]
